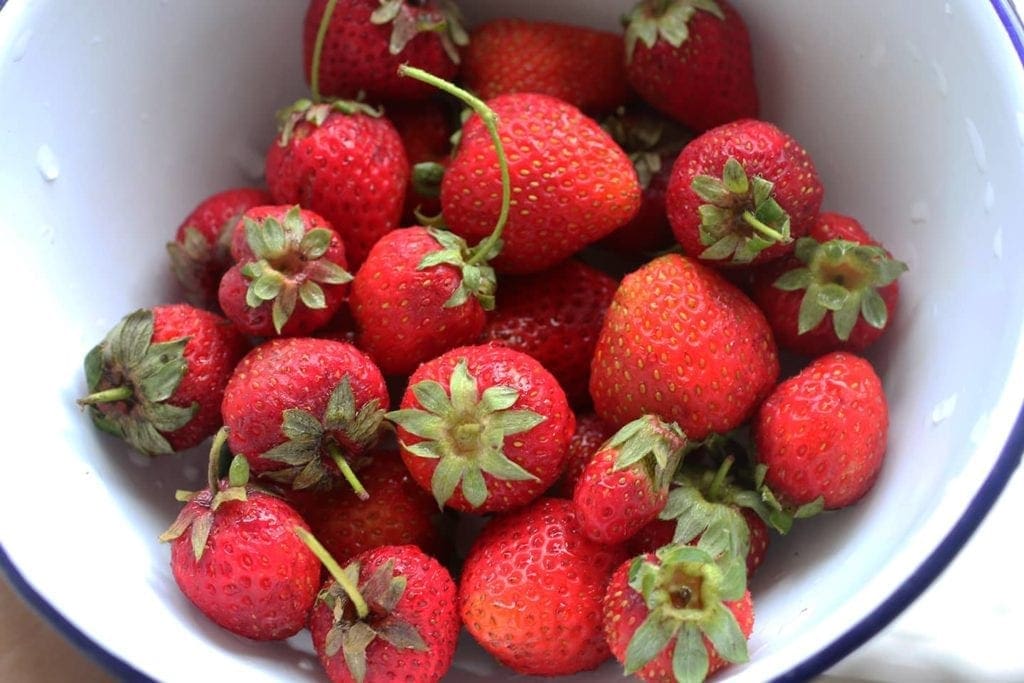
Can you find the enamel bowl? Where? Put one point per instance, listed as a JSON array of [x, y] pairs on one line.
[[116, 123]]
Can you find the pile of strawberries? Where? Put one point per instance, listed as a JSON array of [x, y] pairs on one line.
[[561, 307]]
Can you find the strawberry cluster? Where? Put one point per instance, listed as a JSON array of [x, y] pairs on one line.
[[561, 308]]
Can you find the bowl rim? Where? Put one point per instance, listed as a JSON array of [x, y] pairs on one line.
[[910, 589]]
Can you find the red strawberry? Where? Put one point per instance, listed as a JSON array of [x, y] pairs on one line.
[[682, 343], [484, 428], [741, 193], [157, 379], [691, 59], [591, 433], [299, 408], [571, 184], [345, 162], [289, 275], [581, 66], [674, 615], [532, 588], [199, 253], [426, 130], [625, 485], [823, 432], [554, 316], [837, 269], [366, 41], [241, 563]]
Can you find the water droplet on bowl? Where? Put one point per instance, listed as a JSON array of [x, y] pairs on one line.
[[20, 46], [96, 39], [997, 243], [944, 410], [46, 162], [940, 78], [919, 212], [977, 144], [990, 196], [949, 9]]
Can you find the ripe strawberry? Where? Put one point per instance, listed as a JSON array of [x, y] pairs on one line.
[[241, 563], [661, 532], [199, 252], [674, 615], [741, 193], [554, 316], [625, 485], [484, 428], [366, 41], [344, 161], [157, 378], [571, 184], [823, 432], [289, 274], [532, 589], [299, 409], [581, 66], [837, 269], [682, 343], [426, 130], [591, 433], [691, 59]]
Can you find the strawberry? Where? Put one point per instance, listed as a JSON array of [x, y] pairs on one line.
[[299, 409], [741, 193], [344, 161], [199, 252], [839, 269], [364, 42], [571, 184], [532, 588], [484, 428], [240, 562], [554, 316], [823, 432], [591, 433], [625, 485], [661, 532], [289, 274], [581, 66], [675, 615], [682, 343], [157, 378], [691, 60]]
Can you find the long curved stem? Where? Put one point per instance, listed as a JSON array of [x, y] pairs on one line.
[[346, 471], [213, 467], [761, 227], [335, 570], [318, 47]]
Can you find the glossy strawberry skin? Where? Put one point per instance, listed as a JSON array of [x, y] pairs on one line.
[[591, 432], [532, 588], [660, 532], [613, 506], [681, 342], [824, 432]]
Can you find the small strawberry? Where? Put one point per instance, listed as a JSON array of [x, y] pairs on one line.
[[741, 193], [581, 66], [289, 274], [625, 485], [691, 60], [240, 562], [676, 616], [484, 428], [554, 316], [532, 589], [157, 378], [591, 433], [199, 252], [837, 269], [682, 343], [823, 432], [300, 409]]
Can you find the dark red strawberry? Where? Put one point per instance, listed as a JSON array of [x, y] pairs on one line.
[[691, 59], [157, 379], [426, 130], [591, 433]]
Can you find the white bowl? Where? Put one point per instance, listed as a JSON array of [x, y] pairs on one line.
[[116, 122]]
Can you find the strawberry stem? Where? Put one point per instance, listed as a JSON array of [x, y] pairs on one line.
[[720, 475], [335, 570], [107, 396], [213, 466], [765, 230], [318, 46], [346, 471]]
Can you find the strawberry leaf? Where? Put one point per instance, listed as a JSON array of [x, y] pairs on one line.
[[690, 661], [722, 629], [650, 638]]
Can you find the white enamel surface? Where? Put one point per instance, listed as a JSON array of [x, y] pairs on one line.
[[116, 123]]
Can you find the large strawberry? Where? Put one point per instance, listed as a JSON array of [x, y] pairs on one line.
[[591, 433], [157, 378], [681, 342], [742, 192], [823, 433], [532, 589], [691, 59], [484, 428]]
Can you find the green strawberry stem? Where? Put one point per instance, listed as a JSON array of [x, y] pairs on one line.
[[490, 120], [716, 484], [213, 467], [346, 471], [335, 570], [107, 396], [766, 230], [318, 46]]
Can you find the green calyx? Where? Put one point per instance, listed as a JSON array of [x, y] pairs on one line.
[[668, 20], [465, 432], [131, 379], [652, 444], [684, 591], [740, 218], [843, 278], [427, 177], [478, 278], [769, 508], [648, 139], [410, 21], [289, 266], [306, 110]]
